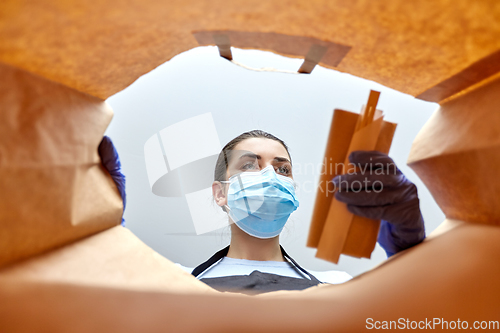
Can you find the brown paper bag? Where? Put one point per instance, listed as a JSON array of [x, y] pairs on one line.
[[54, 189], [440, 278], [334, 230], [114, 258], [457, 155]]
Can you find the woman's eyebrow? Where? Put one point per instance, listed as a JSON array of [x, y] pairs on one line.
[[282, 159], [277, 158], [252, 155]]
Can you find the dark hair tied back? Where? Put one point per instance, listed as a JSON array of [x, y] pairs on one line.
[[225, 154]]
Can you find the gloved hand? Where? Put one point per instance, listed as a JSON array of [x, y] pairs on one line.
[[379, 190], [111, 162]]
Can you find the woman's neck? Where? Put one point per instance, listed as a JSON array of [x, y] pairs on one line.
[[244, 246]]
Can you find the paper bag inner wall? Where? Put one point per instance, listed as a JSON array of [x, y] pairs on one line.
[[452, 276], [457, 156], [114, 258], [54, 189], [102, 47]]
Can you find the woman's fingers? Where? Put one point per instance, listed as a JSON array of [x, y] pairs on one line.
[[372, 159], [374, 197], [358, 181], [404, 213]]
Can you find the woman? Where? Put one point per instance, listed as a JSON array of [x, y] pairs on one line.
[[254, 184]]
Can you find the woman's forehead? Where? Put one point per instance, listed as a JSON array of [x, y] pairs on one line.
[[266, 148]]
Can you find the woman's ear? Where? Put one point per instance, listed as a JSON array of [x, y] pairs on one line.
[[219, 193]]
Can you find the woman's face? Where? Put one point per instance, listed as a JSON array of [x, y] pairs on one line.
[[255, 154], [252, 155]]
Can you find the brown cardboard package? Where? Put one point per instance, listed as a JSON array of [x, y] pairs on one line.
[[334, 230]]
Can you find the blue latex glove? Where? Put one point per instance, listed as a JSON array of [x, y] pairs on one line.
[[379, 190], [111, 162]]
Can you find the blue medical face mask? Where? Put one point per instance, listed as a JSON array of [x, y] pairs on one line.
[[260, 202]]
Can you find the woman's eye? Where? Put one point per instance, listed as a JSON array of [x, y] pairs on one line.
[[248, 166], [283, 170]]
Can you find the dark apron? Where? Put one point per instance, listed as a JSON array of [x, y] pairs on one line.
[[256, 282]]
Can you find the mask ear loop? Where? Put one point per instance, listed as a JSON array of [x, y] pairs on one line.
[[225, 208]]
